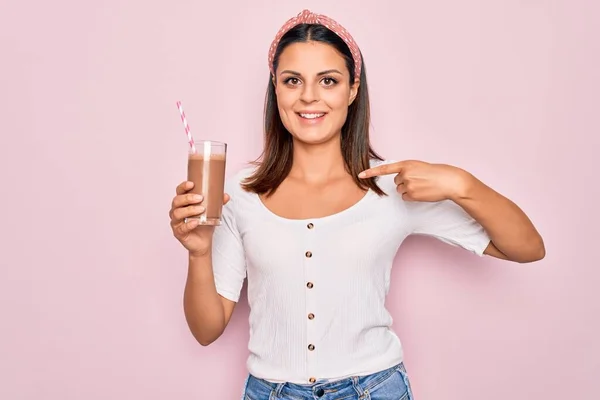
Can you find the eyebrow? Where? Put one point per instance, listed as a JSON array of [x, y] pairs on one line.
[[329, 71]]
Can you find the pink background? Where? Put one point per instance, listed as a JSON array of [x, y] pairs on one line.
[[91, 279]]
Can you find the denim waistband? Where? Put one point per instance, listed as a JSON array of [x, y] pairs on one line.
[[355, 386]]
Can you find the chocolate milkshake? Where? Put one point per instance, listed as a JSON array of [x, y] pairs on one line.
[[206, 168]]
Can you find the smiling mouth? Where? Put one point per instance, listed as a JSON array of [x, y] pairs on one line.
[[311, 115]]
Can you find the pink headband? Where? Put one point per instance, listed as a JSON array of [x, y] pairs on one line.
[[307, 17]]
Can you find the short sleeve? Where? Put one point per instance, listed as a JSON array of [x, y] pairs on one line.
[[448, 222], [228, 258]]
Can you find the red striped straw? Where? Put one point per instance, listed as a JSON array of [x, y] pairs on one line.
[[186, 127]]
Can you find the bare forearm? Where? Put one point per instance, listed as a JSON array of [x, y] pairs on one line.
[[202, 304], [510, 230]]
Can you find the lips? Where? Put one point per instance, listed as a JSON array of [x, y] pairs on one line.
[[311, 115]]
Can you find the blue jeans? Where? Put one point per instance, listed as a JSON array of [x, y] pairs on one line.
[[389, 384]]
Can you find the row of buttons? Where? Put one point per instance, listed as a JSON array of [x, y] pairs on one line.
[[311, 316]]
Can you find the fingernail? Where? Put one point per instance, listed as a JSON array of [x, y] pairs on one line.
[[197, 197], [362, 175]]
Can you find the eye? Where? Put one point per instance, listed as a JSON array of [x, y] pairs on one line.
[[329, 81], [291, 81]]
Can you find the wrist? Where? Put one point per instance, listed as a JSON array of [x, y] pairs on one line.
[[200, 255], [465, 186]]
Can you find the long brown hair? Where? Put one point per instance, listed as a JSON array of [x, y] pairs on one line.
[[275, 162]]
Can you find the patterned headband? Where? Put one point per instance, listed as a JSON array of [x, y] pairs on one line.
[[307, 17]]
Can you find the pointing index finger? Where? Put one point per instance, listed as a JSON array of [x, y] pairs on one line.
[[385, 169]]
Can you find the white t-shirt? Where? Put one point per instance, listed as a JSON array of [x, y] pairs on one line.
[[317, 287]]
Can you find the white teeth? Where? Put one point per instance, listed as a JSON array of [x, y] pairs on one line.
[[311, 116]]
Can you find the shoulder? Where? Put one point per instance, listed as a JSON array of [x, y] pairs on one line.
[[240, 200], [234, 180], [239, 197]]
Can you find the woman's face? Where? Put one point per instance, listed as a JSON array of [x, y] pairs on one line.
[[313, 91]]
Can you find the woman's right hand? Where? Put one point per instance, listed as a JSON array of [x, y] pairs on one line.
[[197, 239]]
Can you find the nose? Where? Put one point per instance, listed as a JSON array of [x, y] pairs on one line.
[[309, 94]]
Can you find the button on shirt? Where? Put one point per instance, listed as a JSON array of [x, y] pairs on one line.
[[317, 287]]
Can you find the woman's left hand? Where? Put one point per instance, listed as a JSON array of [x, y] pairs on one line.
[[422, 181]]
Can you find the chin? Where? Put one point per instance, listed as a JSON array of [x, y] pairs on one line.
[[312, 127], [313, 137]]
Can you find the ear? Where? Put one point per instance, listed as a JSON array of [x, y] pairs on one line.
[[353, 92]]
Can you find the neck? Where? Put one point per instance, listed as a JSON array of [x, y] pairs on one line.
[[318, 163]]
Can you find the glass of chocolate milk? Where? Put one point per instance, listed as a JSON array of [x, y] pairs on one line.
[[206, 168]]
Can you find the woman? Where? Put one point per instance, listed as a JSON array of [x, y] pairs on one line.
[[315, 226]]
